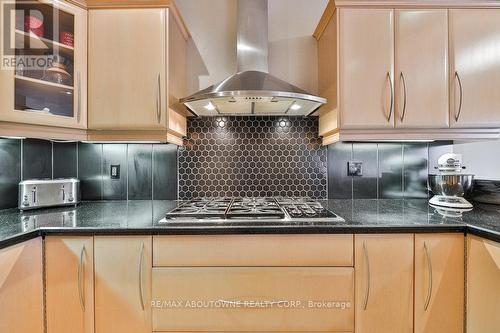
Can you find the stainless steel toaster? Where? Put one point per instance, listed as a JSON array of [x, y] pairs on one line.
[[38, 193]]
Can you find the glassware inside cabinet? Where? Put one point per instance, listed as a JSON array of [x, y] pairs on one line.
[[44, 75]]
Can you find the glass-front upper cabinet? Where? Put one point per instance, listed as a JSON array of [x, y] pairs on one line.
[[43, 75]]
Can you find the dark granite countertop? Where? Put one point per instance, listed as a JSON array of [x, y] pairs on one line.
[[143, 217]]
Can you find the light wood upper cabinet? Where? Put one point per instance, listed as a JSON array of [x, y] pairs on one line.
[[483, 285], [384, 283], [21, 288], [421, 38], [122, 284], [36, 95], [69, 271], [366, 51], [137, 71], [127, 69], [475, 67], [439, 283]]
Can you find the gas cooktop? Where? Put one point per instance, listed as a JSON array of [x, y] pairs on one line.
[[250, 208]]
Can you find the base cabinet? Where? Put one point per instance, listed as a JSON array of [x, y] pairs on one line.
[[439, 283], [253, 299], [122, 284], [483, 285], [384, 283], [21, 288], [69, 280]]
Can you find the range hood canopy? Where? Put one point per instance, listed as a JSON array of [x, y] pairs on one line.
[[252, 91]]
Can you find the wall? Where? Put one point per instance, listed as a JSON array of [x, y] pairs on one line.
[[481, 158], [253, 156], [292, 49], [148, 171], [390, 170]]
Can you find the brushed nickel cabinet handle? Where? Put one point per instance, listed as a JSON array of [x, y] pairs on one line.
[[429, 268], [391, 107], [141, 259], [79, 97], [368, 277], [402, 78], [158, 100], [457, 115], [81, 297]]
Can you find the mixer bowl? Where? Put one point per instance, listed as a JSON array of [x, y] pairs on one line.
[[452, 185]]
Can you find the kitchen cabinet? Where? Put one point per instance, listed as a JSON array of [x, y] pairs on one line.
[[137, 72], [474, 67], [54, 93], [483, 288], [254, 299], [421, 76], [366, 67], [439, 283], [21, 288], [69, 281], [393, 71], [384, 283], [122, 267], [253, 250]]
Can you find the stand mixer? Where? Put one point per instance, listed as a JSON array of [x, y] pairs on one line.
[[450, 185]]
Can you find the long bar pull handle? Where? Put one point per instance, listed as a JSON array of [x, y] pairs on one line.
[[391, 107], [457, 77], [79, 97], [158, 100], [368, 277], [141, 259], [81, 296], [429, 268], [33, 194], [402, 78]]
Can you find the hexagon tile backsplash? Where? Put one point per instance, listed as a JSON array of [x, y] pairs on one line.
[[252, 156]]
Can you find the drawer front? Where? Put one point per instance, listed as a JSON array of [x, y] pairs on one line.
[[253, 250], [253, 299]]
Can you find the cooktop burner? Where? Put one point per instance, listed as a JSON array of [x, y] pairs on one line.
[[250, 208], [201, 208], [268, 209]]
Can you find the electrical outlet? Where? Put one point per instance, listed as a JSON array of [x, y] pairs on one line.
[[355, 169], [115, 171]]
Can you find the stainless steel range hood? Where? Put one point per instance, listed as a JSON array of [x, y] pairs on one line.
[[252, 91]]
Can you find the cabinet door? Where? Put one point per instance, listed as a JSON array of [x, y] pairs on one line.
[[47, 83], [21, 288], [253, 299], [384, 283], [366, 68], [422, 68], [127, 69], [483, 285], [69, 267], [439, 283], [475, 69], [122, 284]]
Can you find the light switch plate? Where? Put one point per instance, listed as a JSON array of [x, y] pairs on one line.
[[355, 169]]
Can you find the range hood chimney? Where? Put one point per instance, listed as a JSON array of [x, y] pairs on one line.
[[252, 91]]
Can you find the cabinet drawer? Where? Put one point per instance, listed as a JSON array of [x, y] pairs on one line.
[[253, 250], [253, 299]]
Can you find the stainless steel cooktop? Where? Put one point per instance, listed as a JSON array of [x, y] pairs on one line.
[[249, 208]]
